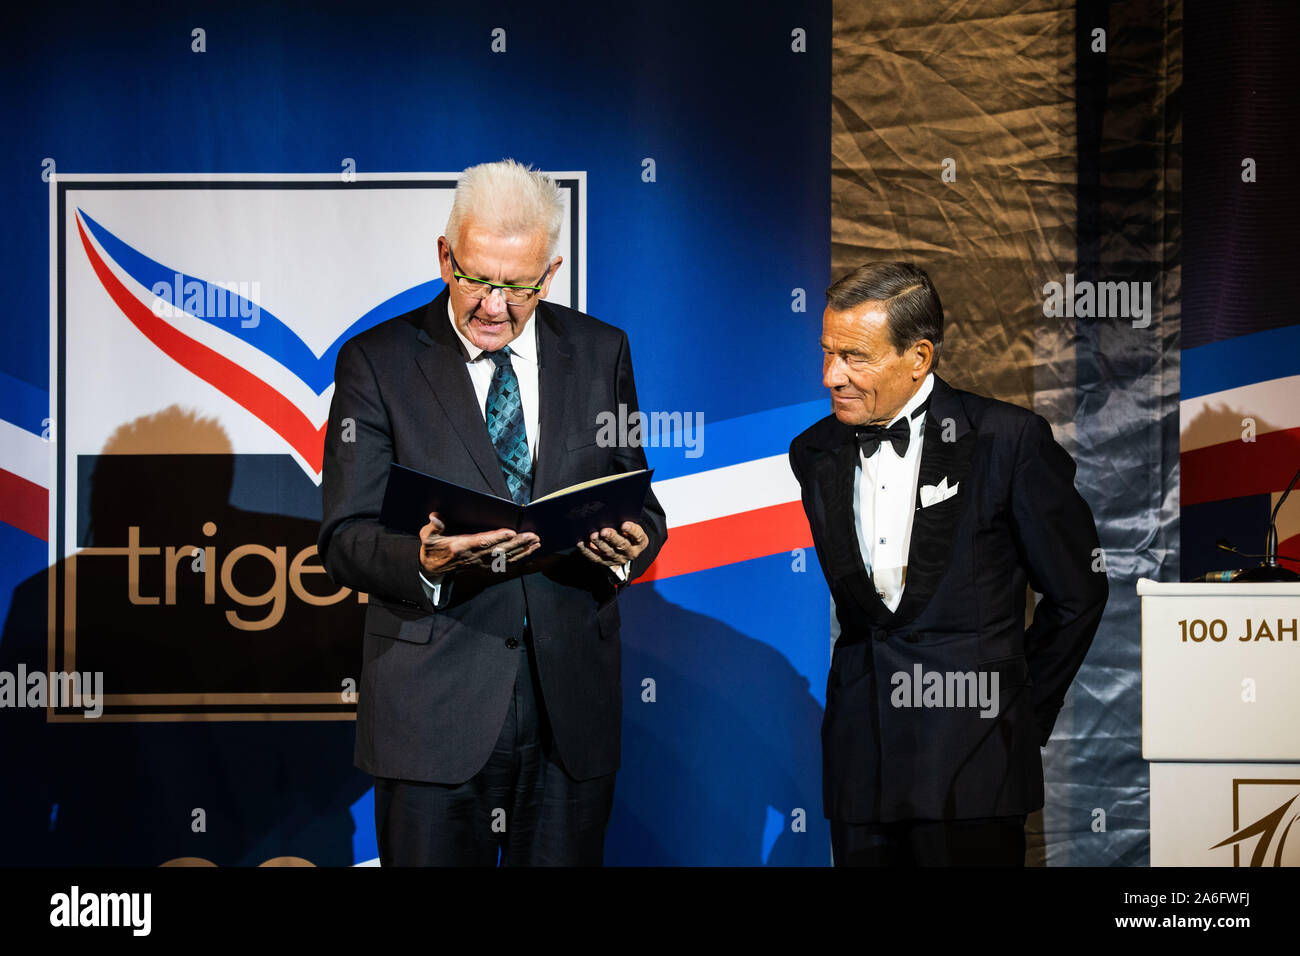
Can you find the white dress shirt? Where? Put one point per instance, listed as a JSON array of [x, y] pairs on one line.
[[885, 504], [523, 359]]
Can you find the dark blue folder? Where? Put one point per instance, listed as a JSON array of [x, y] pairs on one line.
[[559, 519]]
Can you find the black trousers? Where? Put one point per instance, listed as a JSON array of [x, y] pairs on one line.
[[521, 809], [987, 841]]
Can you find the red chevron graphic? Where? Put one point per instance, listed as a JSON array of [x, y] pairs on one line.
[[214, 368], [24, 505]]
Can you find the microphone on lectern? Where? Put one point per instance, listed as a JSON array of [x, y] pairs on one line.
[[1269, 569]]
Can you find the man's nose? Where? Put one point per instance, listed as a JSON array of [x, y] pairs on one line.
[[495, 303], [833, 374]]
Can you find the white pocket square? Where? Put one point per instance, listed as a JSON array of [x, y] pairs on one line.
[[933, 494]]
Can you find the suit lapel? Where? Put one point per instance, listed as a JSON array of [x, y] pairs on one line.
[[838, 473], [442, 363], [942, 456], [557, 395]]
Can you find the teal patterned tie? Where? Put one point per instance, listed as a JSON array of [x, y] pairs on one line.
[[505, 422]]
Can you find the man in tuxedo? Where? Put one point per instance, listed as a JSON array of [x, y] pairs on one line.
[[490, 700], [931, 509]]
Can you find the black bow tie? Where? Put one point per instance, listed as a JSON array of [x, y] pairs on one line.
[[898, 434]]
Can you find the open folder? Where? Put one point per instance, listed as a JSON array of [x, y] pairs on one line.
[[559, 519]]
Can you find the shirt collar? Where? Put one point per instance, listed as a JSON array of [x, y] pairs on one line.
[[915, 401], [524, 346]]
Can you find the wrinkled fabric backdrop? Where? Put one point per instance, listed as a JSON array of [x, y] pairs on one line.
[[989, 143]]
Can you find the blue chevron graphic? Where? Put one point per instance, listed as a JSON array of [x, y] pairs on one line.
[[270, 336]]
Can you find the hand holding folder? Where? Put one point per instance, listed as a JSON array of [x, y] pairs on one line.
[[559, 519]]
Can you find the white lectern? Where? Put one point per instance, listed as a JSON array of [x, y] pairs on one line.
[[1221, 722]]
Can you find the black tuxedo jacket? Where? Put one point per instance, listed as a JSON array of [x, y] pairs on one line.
[[1016, 518], [435, 683]]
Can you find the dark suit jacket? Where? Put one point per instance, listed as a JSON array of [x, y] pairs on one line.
[[436, 683], [1016, 518]]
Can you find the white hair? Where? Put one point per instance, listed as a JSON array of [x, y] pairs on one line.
[[508, 199]]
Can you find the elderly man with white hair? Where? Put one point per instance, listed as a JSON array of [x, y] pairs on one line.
[[490, 702]]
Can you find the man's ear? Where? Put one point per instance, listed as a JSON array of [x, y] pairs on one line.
[[923, 352], [555, 267], [444, 260]]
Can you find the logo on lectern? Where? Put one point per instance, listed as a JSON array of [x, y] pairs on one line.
[[1272, 807]]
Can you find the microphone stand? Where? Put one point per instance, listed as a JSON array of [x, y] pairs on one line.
[[1269, 569]]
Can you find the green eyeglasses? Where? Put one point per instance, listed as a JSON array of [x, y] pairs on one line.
[[481, 288]]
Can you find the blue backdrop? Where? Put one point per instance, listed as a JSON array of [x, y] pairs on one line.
[[701, 267]]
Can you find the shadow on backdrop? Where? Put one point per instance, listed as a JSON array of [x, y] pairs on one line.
[[717, 766], [127, 792]]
